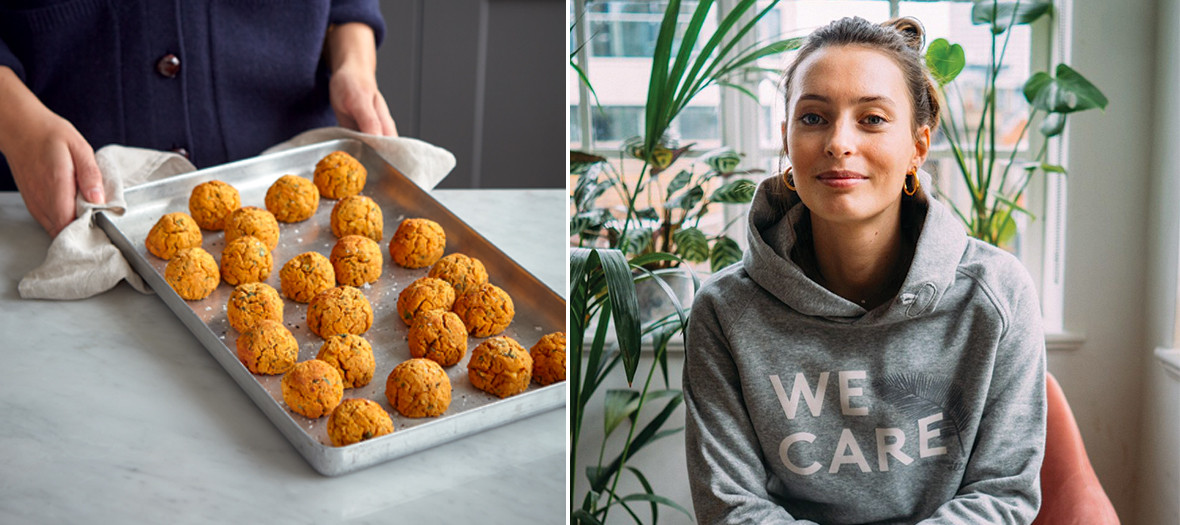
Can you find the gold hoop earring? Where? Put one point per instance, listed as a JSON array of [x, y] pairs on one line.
[[906, 185], [788, 179]]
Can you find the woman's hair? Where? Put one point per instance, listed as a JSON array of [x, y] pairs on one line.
[[900, 38]]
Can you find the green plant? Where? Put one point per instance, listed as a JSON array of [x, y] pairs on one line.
[[669, 221], [996, 190], [602, 288]]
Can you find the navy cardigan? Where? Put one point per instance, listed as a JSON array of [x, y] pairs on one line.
[[222, 79]]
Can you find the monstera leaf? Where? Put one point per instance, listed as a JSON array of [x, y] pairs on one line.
[[945, 60], [1067, 92], [1002, 15]]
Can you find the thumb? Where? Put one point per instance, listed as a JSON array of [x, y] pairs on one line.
[[87, 174]]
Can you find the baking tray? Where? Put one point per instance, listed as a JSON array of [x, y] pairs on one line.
[[539, 310]]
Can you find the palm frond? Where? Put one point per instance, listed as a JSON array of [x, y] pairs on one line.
[[917, 395]]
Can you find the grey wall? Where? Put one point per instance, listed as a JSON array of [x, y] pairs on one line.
[[484, 79]]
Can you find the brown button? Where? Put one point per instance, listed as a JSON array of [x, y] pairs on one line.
[[168, 66], [180, 151]]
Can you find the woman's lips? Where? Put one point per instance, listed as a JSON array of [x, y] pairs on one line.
[[841, 179]]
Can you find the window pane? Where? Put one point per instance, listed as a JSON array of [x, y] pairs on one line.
[[615, 124], [575, 128], [952, 21], [629, 28], [699, 125], [622, 39]]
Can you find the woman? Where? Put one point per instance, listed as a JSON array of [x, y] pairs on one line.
[[867, 362], [213, 81]]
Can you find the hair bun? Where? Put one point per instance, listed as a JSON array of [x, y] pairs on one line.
[[911, 30]]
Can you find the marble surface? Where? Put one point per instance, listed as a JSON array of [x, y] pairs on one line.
[[113, 410]]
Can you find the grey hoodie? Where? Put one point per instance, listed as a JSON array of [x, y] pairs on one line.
[[804, 408]]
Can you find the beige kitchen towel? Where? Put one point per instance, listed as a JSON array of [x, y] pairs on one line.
[[82, 261]]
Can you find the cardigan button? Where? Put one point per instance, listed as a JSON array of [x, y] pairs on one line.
[[168, 66], [180, 151]]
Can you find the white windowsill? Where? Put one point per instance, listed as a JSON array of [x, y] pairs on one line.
[[1169, 358], [1064, 341]]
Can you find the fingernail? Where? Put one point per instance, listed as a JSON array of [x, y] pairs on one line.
[[95, 196]]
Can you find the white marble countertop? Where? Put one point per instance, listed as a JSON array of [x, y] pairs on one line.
[[113, 410]]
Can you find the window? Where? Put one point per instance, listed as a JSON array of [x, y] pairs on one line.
[[622, 35]]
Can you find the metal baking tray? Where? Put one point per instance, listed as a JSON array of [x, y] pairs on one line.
[[539, 310]]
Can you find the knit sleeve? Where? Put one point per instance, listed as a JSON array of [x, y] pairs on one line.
[[7, 58], [1002, 480], [366, 11], [727, 474]]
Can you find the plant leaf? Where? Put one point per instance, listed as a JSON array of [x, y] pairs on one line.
[[637, 240], [657, 499], [1002, 15], [657, 87], [660, 337], [678, 182], [687, 200], [691, 244], [581, 517], [581, 162], [620, 404], [722, 160], [1073, 83], [587, 191], [1053, 168], [634, 147], [651, 431], [1068, 92], [1053, 124], [586, 80], [624, 307], [1008, 202], [742, 89], [648, 214], [1007, 231], [655, 510], [772, 48], [725, 252], [589, 221], [737, 191], [1035, 83], [945, 60]]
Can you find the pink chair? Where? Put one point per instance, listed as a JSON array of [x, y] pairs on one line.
[[1070, 491]]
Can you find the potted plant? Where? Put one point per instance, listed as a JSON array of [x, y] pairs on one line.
[[995, 188], [629, 245], [602, 289], [663, 215]]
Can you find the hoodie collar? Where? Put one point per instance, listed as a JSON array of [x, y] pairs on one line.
[[771, 236]]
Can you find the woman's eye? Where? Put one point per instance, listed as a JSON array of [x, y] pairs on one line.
[[874, 120], [810, 119]]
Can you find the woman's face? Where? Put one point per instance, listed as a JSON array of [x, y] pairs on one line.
[[849, 133]]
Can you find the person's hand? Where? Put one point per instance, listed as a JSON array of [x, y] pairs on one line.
[[51, 162], [352, 59], [358, 103], [51, 165]]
